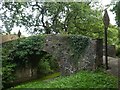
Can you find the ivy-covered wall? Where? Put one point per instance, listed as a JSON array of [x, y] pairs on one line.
[[73, 53]]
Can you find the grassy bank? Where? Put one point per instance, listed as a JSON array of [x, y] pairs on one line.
[[83, 79]]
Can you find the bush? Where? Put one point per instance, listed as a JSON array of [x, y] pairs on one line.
[[44, 68], [17, 53], [8, 66], [47, 65]]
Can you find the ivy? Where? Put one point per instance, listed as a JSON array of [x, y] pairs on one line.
[[17, 54], [78, 44], [28, 48], [8, 66]]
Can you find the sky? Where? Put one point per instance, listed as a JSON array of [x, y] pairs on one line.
[[103, 2], [111, 15]]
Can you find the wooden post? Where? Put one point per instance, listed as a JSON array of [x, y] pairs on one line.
[[106, 21], [106, 51]]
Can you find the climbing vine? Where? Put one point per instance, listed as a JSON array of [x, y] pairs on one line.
[[8, 66], [27, 48], [78, 44], [18, 53]]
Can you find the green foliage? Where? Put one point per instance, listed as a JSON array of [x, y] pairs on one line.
[[8, 66], [44, 67], [19, 53], [8, 71], [52, 62], [116, 9], [113, 35], [82, 79], [47, 65], [69, 17], [28, 49], [24, 52], [78, 44], [50, 76]]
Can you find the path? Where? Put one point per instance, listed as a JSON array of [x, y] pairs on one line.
[[114, 64]]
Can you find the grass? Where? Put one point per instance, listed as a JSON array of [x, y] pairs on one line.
[[50, 76], [82, 79]]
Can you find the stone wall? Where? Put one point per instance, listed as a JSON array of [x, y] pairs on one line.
[[9, 37], [111, 50], [25, 74], [99, 52]]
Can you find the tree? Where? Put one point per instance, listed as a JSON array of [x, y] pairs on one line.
[[116, 9], [113, 35], [54, 17]]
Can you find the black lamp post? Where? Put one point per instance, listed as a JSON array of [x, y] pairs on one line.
[[106, 21]]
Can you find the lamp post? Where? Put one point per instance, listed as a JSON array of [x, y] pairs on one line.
[[106, 21]]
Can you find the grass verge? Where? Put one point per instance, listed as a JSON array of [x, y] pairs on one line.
[[82, 79]]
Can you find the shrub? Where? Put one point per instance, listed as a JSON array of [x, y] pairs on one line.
[[17, 54], [47, 65], [44, 67], [8, 66]]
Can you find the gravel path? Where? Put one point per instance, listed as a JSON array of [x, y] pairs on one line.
[[114, 64]]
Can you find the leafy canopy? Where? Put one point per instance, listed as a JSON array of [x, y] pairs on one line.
[[53, 17]]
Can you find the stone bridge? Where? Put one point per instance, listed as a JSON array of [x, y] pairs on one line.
[[73, 53]]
